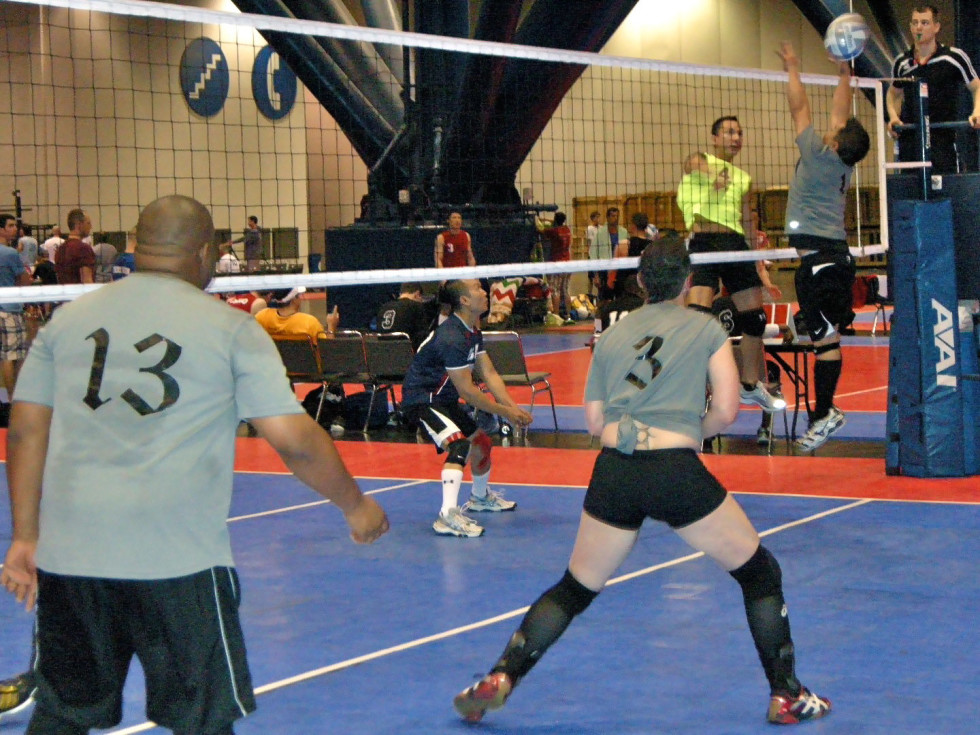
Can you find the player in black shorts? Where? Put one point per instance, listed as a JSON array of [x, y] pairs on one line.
[[644, 399], [815, 223], [440, 375], [714, 198]]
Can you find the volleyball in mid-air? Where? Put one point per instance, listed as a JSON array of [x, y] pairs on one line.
[[846, 36]]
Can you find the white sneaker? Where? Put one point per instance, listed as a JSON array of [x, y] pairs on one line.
[[493, 502], [762, 398], [454, 523], [821, 430]]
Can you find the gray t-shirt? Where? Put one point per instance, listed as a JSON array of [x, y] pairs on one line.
[[652, 365], [816, 196], [148, 378]]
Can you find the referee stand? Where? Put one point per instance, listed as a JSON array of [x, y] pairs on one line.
[[933, 419]]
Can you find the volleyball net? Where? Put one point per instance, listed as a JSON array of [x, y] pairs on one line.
[[314, 125]]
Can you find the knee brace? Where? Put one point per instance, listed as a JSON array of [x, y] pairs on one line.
[[458, 451], [571, 596], [703, 309], [752, 322], [760, 576], [482, 443]]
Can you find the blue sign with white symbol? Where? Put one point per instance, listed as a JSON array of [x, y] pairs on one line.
[[273, 85], [204, 77]]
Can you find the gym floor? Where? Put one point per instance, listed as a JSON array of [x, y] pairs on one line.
[[879, 575]]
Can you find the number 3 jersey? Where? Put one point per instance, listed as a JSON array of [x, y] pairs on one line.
[[148, 378], [652, 365]]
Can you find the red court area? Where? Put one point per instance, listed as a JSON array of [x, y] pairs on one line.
[[811, 476], [863, 383]]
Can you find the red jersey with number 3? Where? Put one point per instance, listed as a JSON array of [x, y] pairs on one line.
[[455, 249]]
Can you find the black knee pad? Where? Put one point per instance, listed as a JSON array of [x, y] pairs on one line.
[[571, 595], [752, 322], [458, 452], [703, 309], [760, 576]]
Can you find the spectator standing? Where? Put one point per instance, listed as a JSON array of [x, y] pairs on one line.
[[51, 245], [253, 245], [559, 238], [27, 247], [105, 259], [75, 260], [126, 261], [13, 326]]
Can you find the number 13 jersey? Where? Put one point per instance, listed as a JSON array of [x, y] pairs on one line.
[[147, 378]]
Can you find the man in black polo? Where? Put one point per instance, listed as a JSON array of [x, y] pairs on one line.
[[943, 68]]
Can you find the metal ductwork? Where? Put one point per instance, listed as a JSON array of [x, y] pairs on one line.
[[520, 117], [465, 145], [361, 63], [383, 14], [368, 131]]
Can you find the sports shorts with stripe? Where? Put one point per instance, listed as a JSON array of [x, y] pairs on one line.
[[443, 423], [185, 632]]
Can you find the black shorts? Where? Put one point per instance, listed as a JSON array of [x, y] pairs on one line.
[[734, 276], [669, 485], [824, 284], [444, 423], [185, 632]]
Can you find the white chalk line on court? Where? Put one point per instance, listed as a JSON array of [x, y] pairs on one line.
[[341, 665], [861, 392], [315, 503]]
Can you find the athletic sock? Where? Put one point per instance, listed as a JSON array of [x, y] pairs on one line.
[[451, 480], [826, 373], [544, 623], [480, 483]]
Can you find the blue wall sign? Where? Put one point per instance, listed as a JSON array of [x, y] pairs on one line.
[[273, 85], [204, 77]]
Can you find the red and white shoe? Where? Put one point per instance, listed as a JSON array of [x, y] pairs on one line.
[[489, 693], [785, 709]]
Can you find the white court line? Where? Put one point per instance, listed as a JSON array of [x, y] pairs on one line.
[[340, 665], [315, 503], [859, 392]]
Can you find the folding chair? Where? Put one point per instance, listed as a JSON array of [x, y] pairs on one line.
[[388, 359], [880, 301], [507, 355], [302, 362], [342, 359]]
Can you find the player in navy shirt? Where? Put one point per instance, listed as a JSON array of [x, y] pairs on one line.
[[443, 373]]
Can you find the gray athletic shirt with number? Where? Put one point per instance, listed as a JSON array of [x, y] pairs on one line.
[[678, 342], [816, 195], [148, 378]]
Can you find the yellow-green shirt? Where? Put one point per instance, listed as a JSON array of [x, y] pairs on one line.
[[696, 195]]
